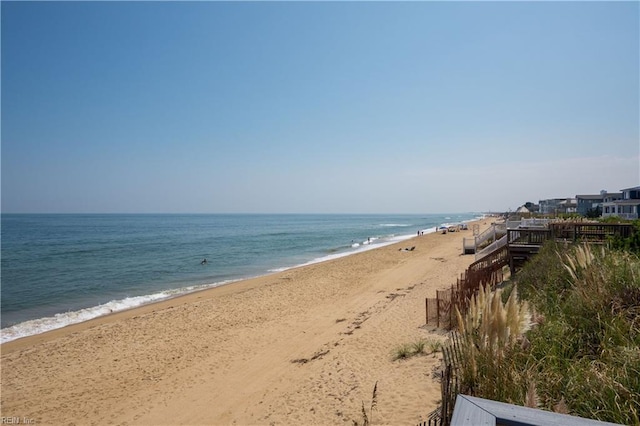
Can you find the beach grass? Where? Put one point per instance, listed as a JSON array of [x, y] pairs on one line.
[[582, 355], [403, 351], [367, 419], [418, 347]]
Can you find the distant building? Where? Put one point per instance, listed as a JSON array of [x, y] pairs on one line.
[[558, 206], [568, 206], [584, 203], [551, 205], [627, 206], [612, 196]]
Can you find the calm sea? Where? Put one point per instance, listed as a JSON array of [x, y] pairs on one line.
[[63, 269]]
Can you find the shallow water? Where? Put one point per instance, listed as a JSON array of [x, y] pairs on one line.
[[63, 269]]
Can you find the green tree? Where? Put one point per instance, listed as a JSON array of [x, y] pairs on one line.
[[594, 213]]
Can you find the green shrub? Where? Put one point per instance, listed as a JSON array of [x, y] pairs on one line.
[[631, 243]]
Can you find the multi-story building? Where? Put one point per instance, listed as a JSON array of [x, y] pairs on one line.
[[585, 203], [558, 206], [568, 206], [626, 207], [551, 205]]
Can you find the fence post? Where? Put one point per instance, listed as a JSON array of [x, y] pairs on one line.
[[437, 309], [451, 310], [426, 308]]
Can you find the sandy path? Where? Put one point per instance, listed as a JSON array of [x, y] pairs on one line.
[[302, 346]]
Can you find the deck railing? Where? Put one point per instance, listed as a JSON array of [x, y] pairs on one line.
[[535, 222], [495, 231], [520, 243], [527, 236], [492, 247], [589, 232]]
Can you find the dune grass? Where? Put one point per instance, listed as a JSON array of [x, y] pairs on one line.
[[419, 347], [582, 355], [367, 419]]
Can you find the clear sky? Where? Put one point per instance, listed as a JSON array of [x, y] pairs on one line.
[[362, 107]]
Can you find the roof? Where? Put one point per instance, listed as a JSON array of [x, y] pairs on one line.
[[590, 197], [635, 188], [551, 199], [625, 202], [471, 410]]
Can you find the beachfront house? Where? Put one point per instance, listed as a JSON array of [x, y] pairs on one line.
[[550, 206], [590, 202], [627, 206], [610, 197], [553, 206], [568, 206]]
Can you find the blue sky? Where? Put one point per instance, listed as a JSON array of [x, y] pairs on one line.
[[372, 107]]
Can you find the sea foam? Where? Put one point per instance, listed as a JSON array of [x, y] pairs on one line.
[[41, 325], [121, 257], [370, 244]]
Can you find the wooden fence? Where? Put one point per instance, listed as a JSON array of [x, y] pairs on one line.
[[570, 232], [521, 243], [449, 385], [440, 309], [488, 270]]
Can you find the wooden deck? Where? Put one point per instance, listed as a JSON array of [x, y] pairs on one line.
[[522, 244]]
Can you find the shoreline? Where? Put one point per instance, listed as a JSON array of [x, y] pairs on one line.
[[37, 326], [301, 345], [162, 303]]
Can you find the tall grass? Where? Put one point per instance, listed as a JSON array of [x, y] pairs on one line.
[[583, 354], [589, 347], [489, 332], [367, 420]]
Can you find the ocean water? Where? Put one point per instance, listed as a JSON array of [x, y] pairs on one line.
[[62, 269]]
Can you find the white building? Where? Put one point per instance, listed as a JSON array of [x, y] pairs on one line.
[[628, 207]]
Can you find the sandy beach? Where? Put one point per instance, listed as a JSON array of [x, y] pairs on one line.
[[304, 346]]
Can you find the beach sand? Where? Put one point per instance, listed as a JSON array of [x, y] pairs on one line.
[[304, 346]]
